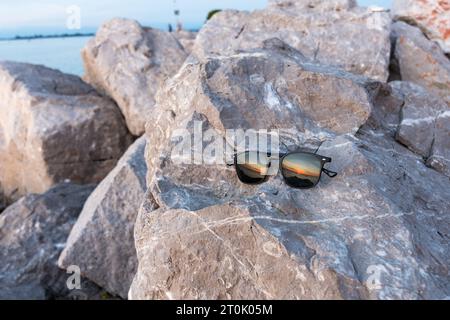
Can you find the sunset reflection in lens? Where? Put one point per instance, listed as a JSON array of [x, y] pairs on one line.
[[301, 170], [252, 167]]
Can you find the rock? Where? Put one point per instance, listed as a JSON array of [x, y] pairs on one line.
[[186, 39], [54, 127], [421, 61], [278, 81], [128, 63], [432, 16], [301, 5], [440, 153], [101, 242], [377, 231], [324, 35], [2, 201], [418, 117], [33, 231]]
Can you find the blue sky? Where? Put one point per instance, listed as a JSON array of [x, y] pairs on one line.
[[46, 16]]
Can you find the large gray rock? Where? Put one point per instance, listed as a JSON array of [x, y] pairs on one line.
[[2, 201], [432, 16], [421, 61], [301, 5], [418, 117], [274, 88], [440, 153], [356, 39], [101, 242], [379, 230], [33, 232], [129, 63], [186, 39], [54, 127]]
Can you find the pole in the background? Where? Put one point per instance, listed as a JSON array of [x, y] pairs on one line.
[[176, 12]]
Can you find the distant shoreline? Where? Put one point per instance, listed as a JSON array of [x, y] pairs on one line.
[[52, 36]]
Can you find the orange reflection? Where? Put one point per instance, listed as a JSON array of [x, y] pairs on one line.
[[302, 169], [261, 170]]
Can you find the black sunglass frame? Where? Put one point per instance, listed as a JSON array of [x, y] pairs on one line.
[[281, 157]]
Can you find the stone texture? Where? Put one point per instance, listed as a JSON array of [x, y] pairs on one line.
[[301, 5], [272, 88], [101, 242], [418, 117], [54, 127], [440, 153], [129, 63], [186, 39], [377, 231], [356, 40], [432, 16], [2, 201], [421, 61], [33, 231]]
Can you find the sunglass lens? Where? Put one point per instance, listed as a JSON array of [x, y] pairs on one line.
[[301, 170], [252, 167]]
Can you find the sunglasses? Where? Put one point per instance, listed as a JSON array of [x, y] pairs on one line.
[[300, 170]]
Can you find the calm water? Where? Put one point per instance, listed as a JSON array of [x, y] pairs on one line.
[[58, 53]]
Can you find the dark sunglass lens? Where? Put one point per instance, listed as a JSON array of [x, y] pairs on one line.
[[252, 167], [301, 170]]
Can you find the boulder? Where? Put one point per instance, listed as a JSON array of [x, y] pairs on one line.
[[418, 117], [101, 243], [440, 152], [33, 231], [421, 61], [356, 40], [377, 231], [431, 16], [301, 5], [274, 88], [128, 63], [186, 39], [2, 201], [54, 127]]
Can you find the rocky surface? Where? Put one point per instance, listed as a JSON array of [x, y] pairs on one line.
[[101, 243], [420, 110], [2, 201], [54, 127], [300, 5], [300, 75], [275, 88], [128, 63], [432, 16], [440, 152], [33, 231], [421, 61], [379, 230], [186, 39], [313, 31]]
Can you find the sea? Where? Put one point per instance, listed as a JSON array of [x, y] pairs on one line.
[[58, 53]]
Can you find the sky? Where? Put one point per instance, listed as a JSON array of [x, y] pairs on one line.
[[50, 16]]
